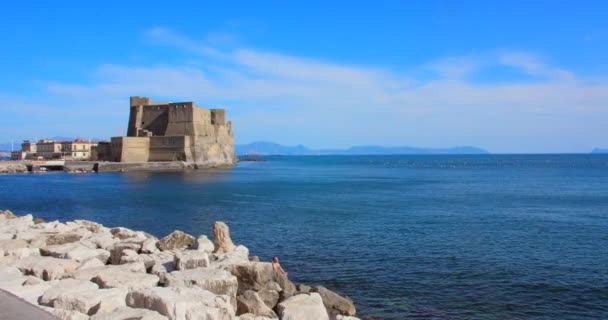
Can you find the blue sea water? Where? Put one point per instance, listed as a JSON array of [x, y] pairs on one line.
[[406, 237]]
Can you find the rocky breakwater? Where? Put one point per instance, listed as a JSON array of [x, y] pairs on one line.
[[12, 167], [83, 270]]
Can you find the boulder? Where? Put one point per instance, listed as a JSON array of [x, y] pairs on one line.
[[221, 238], [341, 317], [303, 306], [63, 287], [334, 303], [116, 251], [239, 255], [90, 274], [121, 278], [149, 246], [130, 256], [126, 313], [76, 251], [202, 243], [220, 282], [251, 316], [123, 233], [270, 297], [182, 303], [68, 314], [250, 302], [9, 245], [176, 240], [91, 263], [32, 281], [23, 252], [303, 288], [92, 301], [47, 268], [191, 259], [63, 238], [38, 220], [103, 240], [7, 214], [252, 275]]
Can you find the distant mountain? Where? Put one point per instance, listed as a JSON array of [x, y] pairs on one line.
[[600, 150], [270, 148]]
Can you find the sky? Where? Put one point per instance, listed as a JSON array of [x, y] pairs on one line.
[[507, 76]]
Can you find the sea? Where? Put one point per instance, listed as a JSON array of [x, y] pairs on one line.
[[405, 237]]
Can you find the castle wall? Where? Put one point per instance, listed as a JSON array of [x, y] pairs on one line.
[[170, 148], [130, 149]]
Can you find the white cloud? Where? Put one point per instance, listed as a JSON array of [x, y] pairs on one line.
[[272, 96]]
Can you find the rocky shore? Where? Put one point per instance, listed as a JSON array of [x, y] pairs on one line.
[[12, 167], [83, 270]]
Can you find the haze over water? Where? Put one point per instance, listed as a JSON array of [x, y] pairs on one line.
[[407, 237]]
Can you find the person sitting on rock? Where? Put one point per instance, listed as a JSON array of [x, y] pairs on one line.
[[276, 266]]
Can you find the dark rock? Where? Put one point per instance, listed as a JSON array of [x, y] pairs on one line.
[[38, 220]]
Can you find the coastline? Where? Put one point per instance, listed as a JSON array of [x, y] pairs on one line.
[[81, 269]]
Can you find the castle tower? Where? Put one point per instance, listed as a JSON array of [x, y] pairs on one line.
[[135, 117]]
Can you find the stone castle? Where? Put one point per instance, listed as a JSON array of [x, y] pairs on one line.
[[175, 131]]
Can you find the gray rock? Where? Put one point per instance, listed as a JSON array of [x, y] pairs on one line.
[[250, 302], [334, 303], [63, 238], [270, 297]]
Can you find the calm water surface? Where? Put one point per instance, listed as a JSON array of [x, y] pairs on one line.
[[407, 237]]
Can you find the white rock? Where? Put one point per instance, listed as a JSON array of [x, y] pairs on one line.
[[120, 278], [117, 250], [126, 313], [65, 286], [103, 240], [91, 263], [47, 268], [217, 281], [92, 301], [239, 255], [202, 243], [130, 256], [149, 246], [76, 251], [32, 281], [69, 314], [182, 303], [191, 259], [341, 317], [9, 245], [303, 306]]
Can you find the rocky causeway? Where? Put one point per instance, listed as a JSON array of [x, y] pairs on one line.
[[83, 270]]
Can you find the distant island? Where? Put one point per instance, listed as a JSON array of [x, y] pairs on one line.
[[600, 150], [270, 148]]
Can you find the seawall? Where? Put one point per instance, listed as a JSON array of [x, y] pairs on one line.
[[83, 270]]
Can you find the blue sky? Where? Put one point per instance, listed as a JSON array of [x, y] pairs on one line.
[[508, 76]]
